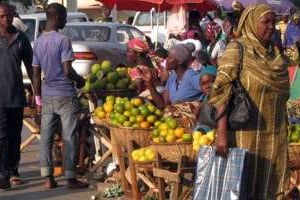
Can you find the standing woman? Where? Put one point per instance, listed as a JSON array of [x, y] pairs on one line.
[[265, 78]]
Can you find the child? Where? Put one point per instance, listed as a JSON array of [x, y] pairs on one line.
[[207, 78]]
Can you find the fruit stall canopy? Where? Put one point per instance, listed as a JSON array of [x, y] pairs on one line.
[[147, 5]]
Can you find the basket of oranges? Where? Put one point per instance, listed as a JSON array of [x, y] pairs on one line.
[[129, 119], [172, 141]]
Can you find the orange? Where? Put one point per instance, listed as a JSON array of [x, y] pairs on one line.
[[179, 132], [170, 138], [145, 124]]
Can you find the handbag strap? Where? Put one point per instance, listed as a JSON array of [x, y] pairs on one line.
[[241, 53]]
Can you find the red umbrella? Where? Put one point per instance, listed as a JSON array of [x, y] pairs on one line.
[[146, 5]]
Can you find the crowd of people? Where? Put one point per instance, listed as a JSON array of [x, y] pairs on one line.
[[190, 70]]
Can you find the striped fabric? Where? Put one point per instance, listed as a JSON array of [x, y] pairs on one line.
[[219, 178]]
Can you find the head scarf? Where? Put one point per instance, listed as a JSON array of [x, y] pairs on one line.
[[208, 70], [182, 52], [237, 6], [138, 45], [247, 27], [213, 29], [265, 64]]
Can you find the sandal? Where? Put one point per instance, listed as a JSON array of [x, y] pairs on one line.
[[15, 180], [50, 183]]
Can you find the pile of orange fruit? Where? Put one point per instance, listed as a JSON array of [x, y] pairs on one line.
[[167, 131], [135, 112]]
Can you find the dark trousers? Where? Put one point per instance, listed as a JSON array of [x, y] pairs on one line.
[[11, 122]]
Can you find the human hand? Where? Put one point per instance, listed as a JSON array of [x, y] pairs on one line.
[[221, 143]]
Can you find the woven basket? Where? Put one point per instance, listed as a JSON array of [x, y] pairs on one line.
[[100, 122], [173, 151], [121, 135], [294, 156]]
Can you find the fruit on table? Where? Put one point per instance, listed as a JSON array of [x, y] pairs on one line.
[[104, 76], [202, 138], [143, 154]]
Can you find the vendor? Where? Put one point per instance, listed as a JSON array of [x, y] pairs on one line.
[[137, 55], [182, 84]]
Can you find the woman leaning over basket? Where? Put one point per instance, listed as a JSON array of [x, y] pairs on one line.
[[265, 78]]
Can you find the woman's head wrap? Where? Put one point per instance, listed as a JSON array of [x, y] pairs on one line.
[[182, 52], [138, 45]]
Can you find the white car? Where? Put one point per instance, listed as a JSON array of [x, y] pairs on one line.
[[36, 23], [94, 41]]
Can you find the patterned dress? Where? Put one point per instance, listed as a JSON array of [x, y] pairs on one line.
[[264, 75]]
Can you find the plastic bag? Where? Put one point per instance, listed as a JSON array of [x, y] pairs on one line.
[[219, 178]]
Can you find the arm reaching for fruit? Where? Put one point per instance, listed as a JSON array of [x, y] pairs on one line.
[[72, 74], [160, 100]]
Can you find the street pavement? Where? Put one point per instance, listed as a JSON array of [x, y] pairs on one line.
[[33, 189]]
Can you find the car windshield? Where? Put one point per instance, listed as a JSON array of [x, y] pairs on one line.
[[30, 23], [87, 33]]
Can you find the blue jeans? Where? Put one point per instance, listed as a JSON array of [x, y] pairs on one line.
[[66, 109]]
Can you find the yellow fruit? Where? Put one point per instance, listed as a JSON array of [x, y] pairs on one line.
[[163, 133], [150, 154], [196, 147], [196, 135], [163, 126], [135, 155], [108, 107], [139, 118], [136, 102], [179, 140], [170, 138], [142, 159], [127, 113], [211, 135], [101, 115], [204, 140], [110, 99], [99, 108], [156, 140], [145, 124], [179, 132], [151, 118]]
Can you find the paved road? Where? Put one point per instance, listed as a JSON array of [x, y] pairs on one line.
[[33, 189]]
